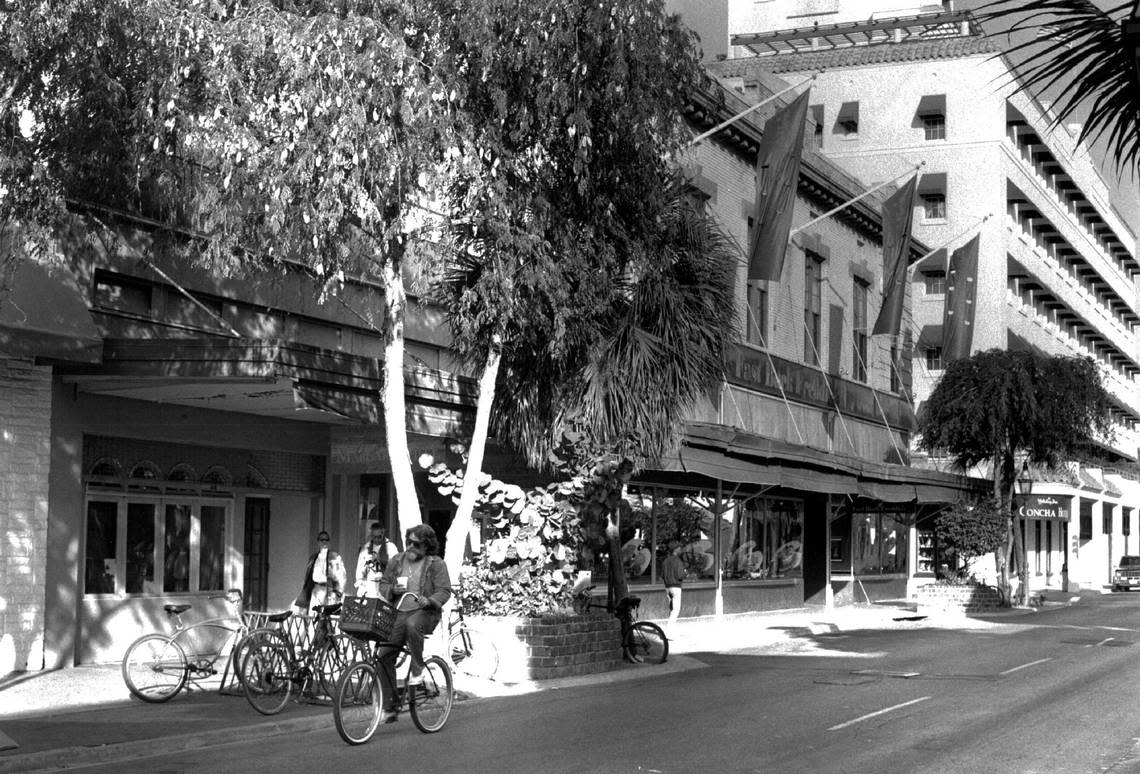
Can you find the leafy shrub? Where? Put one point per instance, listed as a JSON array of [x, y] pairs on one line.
[[970, 529]]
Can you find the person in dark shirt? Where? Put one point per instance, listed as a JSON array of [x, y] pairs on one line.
[[673, 575]]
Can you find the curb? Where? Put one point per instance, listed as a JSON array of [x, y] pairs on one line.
[[69, 757]]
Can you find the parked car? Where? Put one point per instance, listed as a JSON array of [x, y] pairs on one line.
[[1127, 574]]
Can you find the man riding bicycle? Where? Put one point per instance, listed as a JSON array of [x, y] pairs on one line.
[[418, 578]]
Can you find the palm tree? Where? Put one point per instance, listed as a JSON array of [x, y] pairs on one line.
[[1090, 61], [624, 360]]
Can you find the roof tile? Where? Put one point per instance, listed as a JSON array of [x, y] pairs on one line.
[[858, 56]]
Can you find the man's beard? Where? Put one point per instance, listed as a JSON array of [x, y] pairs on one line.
[[415, 554]]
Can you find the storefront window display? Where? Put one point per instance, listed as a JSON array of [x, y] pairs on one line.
[[879, 543], [751, 538]]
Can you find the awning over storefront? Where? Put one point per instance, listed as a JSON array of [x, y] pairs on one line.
[[728, 455], [45, 315], [271, 377], [362, 407]]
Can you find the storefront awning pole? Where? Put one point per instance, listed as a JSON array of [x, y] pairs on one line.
[[718, 599]]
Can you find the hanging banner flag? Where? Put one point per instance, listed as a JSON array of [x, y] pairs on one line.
[[898, 215], [777, 175], [961, 293]]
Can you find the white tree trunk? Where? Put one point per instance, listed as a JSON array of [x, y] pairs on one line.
[[460, 527], [395, 409]]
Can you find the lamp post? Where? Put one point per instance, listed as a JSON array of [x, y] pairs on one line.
[[1023, 487]]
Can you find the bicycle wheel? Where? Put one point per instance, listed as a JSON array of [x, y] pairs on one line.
[[267, 672], [473, 653], [154, 668], [357, 701], [430, 703], [237, 658], [338, 652], [647, 643]]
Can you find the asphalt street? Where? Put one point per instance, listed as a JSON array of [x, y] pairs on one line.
[[1051, 692]]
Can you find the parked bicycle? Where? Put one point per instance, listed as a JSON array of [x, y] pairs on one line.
[[641, 641], [470, 650], [358, 702], [157, 666], [307, 658]]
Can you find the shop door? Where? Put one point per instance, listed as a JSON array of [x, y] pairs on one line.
[[256, 553]]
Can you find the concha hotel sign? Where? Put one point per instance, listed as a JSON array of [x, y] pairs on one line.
[[1042, 507]]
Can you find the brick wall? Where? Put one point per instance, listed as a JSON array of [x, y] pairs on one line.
[[25, 447], [966, 599], [555, 646]]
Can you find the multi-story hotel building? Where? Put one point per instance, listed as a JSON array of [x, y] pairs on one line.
[[899, 87]]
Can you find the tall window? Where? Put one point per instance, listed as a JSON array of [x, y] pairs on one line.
[[931, 116], [879, 543], [934, 126], [896, 381], [934, 206], [859, 330], [933, 357], [813, 306], [847, 120], [934, 282], [817, 131], [757, 321]]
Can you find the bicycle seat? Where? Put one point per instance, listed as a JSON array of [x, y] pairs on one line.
[[329, 609], [628, 603], [176, 609], [279, 617]]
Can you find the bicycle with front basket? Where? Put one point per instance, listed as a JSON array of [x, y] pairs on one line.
[[358, 701], [642, 642], [157, 666]]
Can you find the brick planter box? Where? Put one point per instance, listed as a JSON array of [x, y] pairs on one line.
[[963, 599], [552, 646]]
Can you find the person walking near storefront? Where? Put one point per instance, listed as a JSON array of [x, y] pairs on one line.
[[373, 560], [673, 575], [421, 574], [325, 577]]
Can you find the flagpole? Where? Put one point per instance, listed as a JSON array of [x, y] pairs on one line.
[[849, 202], [751, 109], [951, 240]]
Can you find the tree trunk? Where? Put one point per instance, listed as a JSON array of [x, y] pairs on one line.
[[1019, 552], [1002, 501], [460, 527], [395, 408], [618, 588]]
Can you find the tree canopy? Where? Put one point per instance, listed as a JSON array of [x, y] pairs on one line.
[[998, 404], [999, 401], [535, 141], [576, 239]]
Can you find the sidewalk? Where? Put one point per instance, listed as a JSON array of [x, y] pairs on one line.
[[60, 718]]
